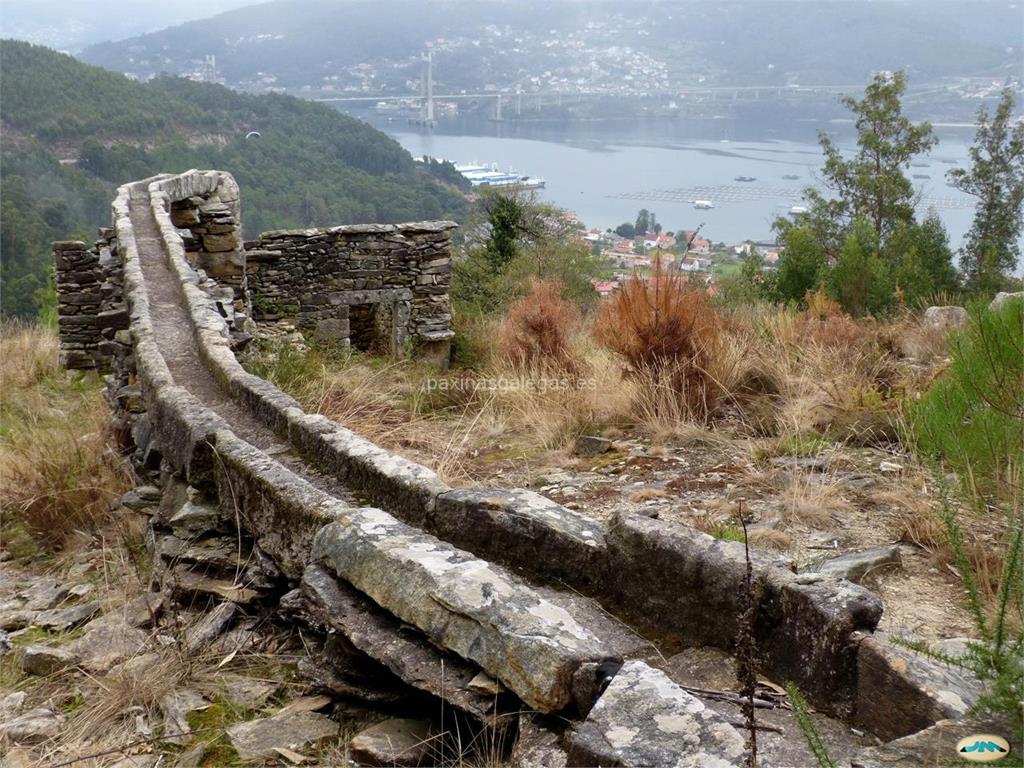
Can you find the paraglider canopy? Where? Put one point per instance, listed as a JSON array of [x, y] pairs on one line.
[[252, 135]]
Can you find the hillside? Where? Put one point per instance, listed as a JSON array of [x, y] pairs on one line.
[[312, 43], [72, 132]]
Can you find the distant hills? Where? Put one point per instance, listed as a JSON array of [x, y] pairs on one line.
[[294, 43], [72, 132]]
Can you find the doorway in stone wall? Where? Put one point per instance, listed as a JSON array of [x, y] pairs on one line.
[[370, 327]]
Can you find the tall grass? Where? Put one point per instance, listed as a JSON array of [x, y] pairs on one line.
[[972, 418], [57, 469]]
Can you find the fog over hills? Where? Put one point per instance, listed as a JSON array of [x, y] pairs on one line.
[[294, 43], [72, 24]]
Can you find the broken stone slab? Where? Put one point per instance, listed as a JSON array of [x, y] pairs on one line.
[[901, 691], [103, 646], [210, 627], [12, 703], [469, 606], [141, 498], [394, 742], [337, 607], [32, 727], [644, 719], [212, 557], [536, 746], [176, 707], [187, 586], [591, 445], [937, 744], [13, 619], [43, 594], [258, 739], [246, 692], [694, 585], [520, 528], [856, 566], [44, 660], [63, 619]]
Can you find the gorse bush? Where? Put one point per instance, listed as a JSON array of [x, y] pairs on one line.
[[535, 330], [972, 418], [668, 333]]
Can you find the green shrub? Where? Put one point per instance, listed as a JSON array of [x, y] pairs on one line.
[[972, 418]]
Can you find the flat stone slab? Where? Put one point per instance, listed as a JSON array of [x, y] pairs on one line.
[[105, 645], [856, 566], [337, 607], [395, 742], [683, 581], [469, 606], [32, 727], [44, 660], [644, 719], [258, 739], [901, 691], [519, 528], [62, 619]]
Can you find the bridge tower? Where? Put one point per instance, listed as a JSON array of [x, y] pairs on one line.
[[427, 110]]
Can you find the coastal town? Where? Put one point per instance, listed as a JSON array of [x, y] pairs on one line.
[[687, 253]]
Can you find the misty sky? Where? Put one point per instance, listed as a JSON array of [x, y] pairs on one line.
[[73, 24]]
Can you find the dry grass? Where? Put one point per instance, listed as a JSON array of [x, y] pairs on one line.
[[59, 471], [918, 521], [813, 500], [770, 538], [788, 372]]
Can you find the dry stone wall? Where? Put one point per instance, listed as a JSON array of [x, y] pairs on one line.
[[376, 286], [90, 306]]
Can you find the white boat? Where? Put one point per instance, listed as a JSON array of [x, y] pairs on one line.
[[703, 204], [797, 209], [481, 175]]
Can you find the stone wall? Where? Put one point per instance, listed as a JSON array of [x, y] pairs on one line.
[[90, 306], [382, 287]]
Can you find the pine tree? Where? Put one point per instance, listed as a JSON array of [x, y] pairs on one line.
[[996, 178], [872, 184]]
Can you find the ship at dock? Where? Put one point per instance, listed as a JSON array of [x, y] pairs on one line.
[[480, 175]]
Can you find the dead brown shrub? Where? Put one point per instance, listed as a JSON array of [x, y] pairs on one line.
[[822, 306], [667, 332], [536, 328], [833, 331]]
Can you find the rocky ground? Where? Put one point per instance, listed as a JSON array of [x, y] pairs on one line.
[[864, 505], [111, 657]]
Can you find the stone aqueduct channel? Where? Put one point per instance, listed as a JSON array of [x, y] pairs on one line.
[[496, 581]]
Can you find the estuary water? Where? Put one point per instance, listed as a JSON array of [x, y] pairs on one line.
[[606, 171]]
